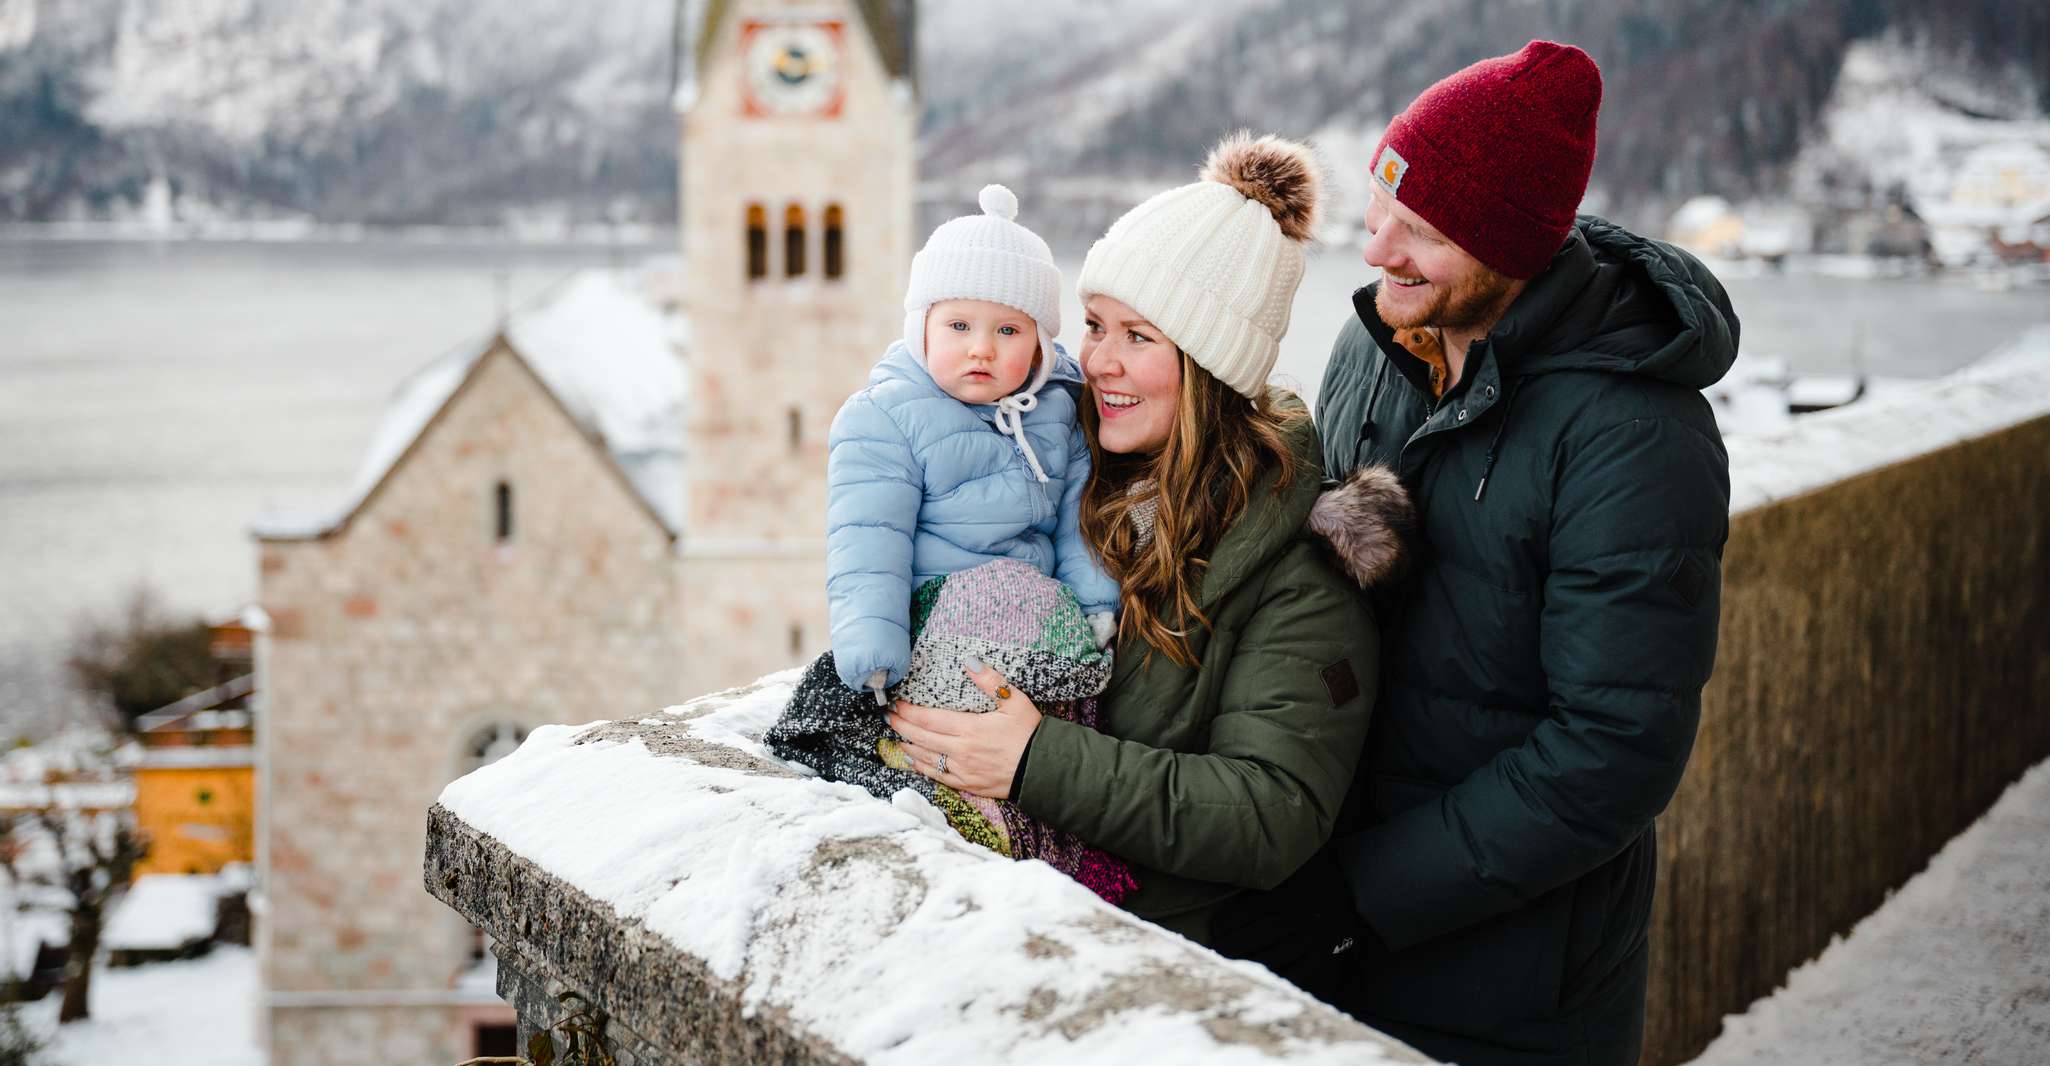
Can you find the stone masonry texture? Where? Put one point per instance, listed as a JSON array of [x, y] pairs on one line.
[[394, 642]]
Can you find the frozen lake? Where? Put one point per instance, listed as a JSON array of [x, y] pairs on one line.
[[154, 398]]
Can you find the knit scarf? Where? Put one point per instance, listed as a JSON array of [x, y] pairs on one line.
[[1144, 514], [1024, 625]]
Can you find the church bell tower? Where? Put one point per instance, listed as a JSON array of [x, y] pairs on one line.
[[798, 154]]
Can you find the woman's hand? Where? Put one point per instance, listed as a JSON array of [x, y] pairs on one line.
[[981, 750]]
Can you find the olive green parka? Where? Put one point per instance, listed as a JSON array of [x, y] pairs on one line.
[[1226, 777]]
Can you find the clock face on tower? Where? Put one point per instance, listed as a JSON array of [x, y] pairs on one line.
[[791, 68]]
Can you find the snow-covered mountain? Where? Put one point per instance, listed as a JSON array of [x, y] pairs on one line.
[[347, 110], [1700, 95], [432, 110]]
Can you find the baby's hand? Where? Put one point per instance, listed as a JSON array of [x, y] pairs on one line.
[[876, 683], [1105, 625]]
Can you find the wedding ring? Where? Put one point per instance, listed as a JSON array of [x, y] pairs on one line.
[[940, 767]]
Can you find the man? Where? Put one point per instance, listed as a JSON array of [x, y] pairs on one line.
[[1535, 381]]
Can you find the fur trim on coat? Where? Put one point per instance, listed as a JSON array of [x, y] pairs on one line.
[[1368, 521]]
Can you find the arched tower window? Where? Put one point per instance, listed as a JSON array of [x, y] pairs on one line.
[[757, 242], [505, 514], [836, 241], [793, 240]]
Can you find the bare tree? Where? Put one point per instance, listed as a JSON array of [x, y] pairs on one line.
[[82, 857], [142, 658]]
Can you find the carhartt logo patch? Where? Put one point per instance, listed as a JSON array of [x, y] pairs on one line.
[[1390, 169]]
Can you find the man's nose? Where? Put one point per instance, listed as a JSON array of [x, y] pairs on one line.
[[1380, 250]]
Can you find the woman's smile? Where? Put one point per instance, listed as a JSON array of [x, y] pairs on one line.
[[1115, 404]]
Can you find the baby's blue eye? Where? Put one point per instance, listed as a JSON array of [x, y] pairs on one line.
[[958, 326], [1008, 331], [1139, 338]]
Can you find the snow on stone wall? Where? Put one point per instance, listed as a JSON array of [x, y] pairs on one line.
[[2009, 386], [848, 926]]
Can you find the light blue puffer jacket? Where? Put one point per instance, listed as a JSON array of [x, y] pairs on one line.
[[921, 485]]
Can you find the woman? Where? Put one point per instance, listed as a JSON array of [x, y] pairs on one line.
[[1246, 662]]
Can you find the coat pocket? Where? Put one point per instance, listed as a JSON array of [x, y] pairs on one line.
[[1497, 980]]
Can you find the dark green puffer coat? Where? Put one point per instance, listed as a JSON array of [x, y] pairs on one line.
[[1227, 777], [1544, 661]]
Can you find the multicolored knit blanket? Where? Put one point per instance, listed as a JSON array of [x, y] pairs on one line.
[[1026, 626]]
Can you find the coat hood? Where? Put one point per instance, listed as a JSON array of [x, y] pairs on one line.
[[1368, 521], [1617, 302], [1365, 522], [1275, 514]]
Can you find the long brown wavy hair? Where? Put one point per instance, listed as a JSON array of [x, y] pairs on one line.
[[1218, 447]]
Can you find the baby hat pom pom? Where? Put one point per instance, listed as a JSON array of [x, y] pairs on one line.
[[999, 201]]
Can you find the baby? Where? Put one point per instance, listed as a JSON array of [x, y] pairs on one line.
[[963, 449], [953, 532]]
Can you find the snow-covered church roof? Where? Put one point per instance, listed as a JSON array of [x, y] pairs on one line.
[[607, 353]]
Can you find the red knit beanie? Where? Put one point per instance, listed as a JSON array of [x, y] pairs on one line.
[[1497, 155]]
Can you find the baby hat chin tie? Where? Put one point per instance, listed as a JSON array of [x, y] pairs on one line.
[[1011, 412]]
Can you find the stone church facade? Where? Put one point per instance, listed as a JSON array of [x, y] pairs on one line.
[[543, 543]]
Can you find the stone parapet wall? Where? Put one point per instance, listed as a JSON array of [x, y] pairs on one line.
[[719, 908], [1884, 672]]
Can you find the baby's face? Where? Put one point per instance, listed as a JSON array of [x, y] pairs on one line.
[[979, 351]]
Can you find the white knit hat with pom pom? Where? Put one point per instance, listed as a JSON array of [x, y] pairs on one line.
[[987, 257], [1215, 264]]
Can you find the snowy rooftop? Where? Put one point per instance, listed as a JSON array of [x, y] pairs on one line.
[[163, 912], [607, 352], [2008, 387], [195, 711], [197, 757], [67, 796], [81, 751], [843, 921]]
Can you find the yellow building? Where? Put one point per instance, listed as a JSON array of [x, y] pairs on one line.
[[195, 784]]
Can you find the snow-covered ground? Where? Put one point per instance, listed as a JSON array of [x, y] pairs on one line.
[[196, 1013], [1954, 967], [163, 912]]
